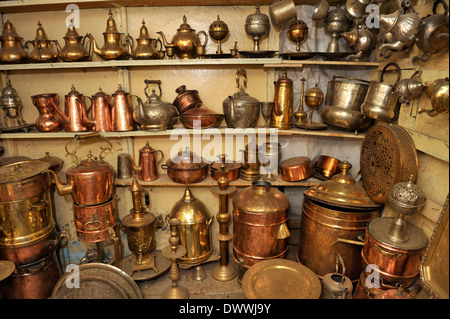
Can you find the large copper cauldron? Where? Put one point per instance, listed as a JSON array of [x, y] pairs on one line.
[[33, 281], [336, 209], [27, 227], [260, 232]]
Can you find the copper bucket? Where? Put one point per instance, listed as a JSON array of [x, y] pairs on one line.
[[33, 281], [321, 227]]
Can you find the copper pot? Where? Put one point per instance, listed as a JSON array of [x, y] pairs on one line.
[[321, 227], [89, 182], [47, 120], [186, 168], [33, 281], [232, 171], [201, 115], [93, 223], [296, 169], [326, 166], [260, 214], [186, 99]]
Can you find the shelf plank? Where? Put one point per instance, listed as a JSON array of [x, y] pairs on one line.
[[18, 6], [300, 64], [164, 181], [34, 134]]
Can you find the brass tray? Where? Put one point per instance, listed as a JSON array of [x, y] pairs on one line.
[[6, 269], [280, 279], [297, 55], [98, 281], [257, 54], [435, 262]]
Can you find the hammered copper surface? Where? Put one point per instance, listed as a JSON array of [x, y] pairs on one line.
[[296, 169], [388, 156], [280, 279], [321, 226]]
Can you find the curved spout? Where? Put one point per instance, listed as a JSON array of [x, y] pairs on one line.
[[94, 45], [166, 44], [61, 114], [63, 189]]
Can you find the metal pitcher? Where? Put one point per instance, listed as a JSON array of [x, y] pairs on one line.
[[381, 102], [282, 114], [47, 121], [122, 112], [101, 111]]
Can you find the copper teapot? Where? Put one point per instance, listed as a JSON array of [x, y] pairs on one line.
[[147, 168], [122, 112], [115, 44], [185, 40], [75, 115], [12, 48], [101, 111], [74, 49], [42, 47], [146, 47]]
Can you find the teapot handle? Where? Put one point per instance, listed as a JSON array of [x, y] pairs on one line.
[[206, 38], [160, 45], [436, 4], [91, 47], [397, 67], [148, 82]]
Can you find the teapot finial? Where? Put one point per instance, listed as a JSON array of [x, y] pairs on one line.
[[184, 19]]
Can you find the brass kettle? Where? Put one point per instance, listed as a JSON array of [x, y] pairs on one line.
[[12, 48], [185, 40], [438, 92], [42, 47], [146, 47], [74, 49], [115, 44]]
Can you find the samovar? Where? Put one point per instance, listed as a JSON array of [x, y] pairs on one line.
[[282, 113], [12, 105], [194, 228], [140, 227], [12, 47]]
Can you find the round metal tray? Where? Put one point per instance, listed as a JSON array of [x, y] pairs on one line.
[[97, 281]]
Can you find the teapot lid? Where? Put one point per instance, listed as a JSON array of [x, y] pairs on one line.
[[119, 90], [143, 32], [100, 93], [342, 190], [73, 91], [9, 30], [71, 31], [147, 148], [40, 33], [185, 26], [111, 24], [89, 166]]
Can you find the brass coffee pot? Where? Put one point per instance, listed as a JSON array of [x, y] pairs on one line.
[[42, 47], [146, 47], [114, 47], [74, 49], [185, 40], [282, 114], [12, 48]]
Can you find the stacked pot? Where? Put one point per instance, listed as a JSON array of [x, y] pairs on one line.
[[28, 235]]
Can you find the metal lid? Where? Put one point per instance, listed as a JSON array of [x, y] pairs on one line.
[[257, 18], [147, 149], [143, 32], [186, 161], [90, 166], [111, 24], [100, 93], [406, 197], [201, 110], [71, 31], [379, 228], [132, 221], [22, 170], [9, 31], [185, 26], [40, 33], [218, 26], [342, 190], [189, 210], [73, 91]]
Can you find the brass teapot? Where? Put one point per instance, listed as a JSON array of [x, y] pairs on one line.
[[115, 44], [74, 49], [185, 40], [12, 48], [438, 92], [42, 47], [146, 47]]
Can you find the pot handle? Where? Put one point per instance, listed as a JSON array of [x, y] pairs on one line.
[[162, 156], [148, 82], [359, 241], [396, 66], [206, 38], [78, 137], [165, 166], [444, 5]]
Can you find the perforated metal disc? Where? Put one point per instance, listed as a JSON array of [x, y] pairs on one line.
[[388, 156]]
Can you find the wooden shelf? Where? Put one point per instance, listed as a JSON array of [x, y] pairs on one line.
[[300, 64], [17, 6], [164, 181], [34, 134]]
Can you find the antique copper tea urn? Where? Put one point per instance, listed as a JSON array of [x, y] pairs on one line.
[[260, 232]]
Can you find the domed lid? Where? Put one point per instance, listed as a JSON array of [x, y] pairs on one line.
[[40, 33], [73, 91], [185, 26], [147, 149], [9, 91], [257, 18], [218, 26], [10, 31], [342, 191], [90, 166], [71, 31], [22, 170], [189, 210], [100, 93], [119, 91], [143, 32], [261, 198], [201, 110], [314, 91], [111, 24], [336, 15], [406, 195], [186, 161]]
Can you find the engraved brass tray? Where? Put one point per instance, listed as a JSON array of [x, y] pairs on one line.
[[97, 281], [280, 279], [435, 262], [388, 156]]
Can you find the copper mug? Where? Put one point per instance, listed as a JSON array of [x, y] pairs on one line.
[[47, 120], [148, 164]]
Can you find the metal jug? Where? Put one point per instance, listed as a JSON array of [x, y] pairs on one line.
[[282, 114], [101, 111], [241, 110], [122, 112], [47, 121]]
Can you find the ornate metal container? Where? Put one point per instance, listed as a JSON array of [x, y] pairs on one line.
[[194, 229], [260, 214]]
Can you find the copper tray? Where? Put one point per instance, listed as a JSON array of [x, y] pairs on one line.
[[98, 281], [280, 279], [388, 156]]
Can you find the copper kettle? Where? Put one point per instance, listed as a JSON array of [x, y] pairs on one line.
[[75, 47], [42, 47], [146, 47], [12, 48], [75, 115], [115, 44]]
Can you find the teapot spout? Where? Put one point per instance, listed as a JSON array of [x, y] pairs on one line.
[[94, 45], [166, 44]]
